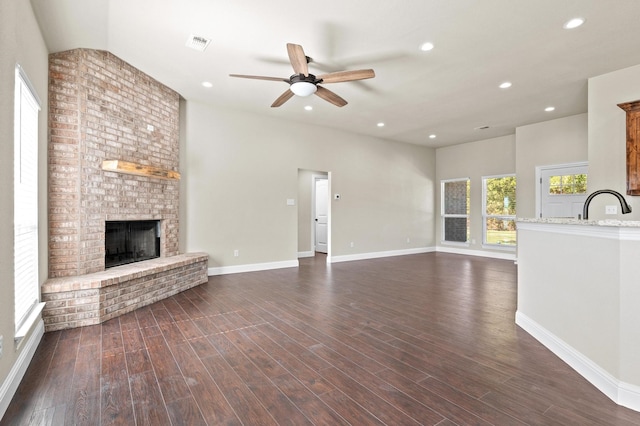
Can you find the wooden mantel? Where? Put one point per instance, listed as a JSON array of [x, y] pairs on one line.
[[126, 167]]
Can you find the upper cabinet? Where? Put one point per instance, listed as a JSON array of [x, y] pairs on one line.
[[633, 146]]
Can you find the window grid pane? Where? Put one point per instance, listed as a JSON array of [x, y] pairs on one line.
[[501, 231], [568, 184], [456, 197], [455, 229]]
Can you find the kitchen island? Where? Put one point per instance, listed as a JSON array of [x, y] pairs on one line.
[[579, 295]]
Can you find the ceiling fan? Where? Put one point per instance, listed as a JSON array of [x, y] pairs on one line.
[[304, 84]]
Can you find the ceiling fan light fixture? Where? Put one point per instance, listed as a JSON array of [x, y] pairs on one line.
[[303, 88]]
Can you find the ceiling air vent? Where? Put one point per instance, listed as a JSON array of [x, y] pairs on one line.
[[481, 128], [198, 42]]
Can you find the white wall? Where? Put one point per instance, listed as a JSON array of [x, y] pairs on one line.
[[607, 138], [241, 168], [559, 141], [20, 42], [474, 160]]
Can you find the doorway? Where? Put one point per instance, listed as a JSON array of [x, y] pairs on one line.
[[314, 213], [320, 210], [561, 190]]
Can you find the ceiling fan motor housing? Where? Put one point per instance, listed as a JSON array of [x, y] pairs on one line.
[[297, 78]]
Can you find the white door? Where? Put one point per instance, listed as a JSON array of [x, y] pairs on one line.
[[321, 214], [563, 190]]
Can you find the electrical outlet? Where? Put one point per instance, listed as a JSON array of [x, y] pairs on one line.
[[611, 209], [236, 253], [408, 240], [351, 244]]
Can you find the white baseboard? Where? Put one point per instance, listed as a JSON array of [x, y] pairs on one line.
[[236, 269], [10, 384], [378, 254], [621, 393], [221, 270], [481, 253]]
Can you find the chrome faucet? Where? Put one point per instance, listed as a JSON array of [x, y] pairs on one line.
[[626, 208]]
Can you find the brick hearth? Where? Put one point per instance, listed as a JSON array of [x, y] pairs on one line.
[[101, 108], [94, 298]]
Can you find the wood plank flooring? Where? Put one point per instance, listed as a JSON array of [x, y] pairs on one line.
[[420, 339]]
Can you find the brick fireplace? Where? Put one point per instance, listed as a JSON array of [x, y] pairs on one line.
[[101, 109]]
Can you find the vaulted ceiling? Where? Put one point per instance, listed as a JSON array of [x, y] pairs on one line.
[[450, 91]]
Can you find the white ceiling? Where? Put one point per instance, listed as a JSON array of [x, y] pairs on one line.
[[448, 91]]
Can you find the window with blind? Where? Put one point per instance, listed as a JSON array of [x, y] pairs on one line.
[[455, 210], [25, 186]]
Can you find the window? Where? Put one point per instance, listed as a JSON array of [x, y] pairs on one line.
[[499, 210], [455, 210], [568, 184], [25, 215]]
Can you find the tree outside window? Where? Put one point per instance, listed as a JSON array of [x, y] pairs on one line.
[[500, 210]]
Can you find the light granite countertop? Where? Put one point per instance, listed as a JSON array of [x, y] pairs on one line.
[[572, 221]]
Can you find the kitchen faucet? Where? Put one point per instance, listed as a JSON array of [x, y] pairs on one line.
[[626, 208]]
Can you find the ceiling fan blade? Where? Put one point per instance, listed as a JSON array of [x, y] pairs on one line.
[[282, 98], [329, 96], [340, 76], [260, 77], [298, 59]]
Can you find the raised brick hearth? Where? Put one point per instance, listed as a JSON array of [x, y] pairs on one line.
[[101, 108], [94, 298]]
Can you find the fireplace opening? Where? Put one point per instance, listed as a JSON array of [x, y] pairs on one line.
[[131, 241]]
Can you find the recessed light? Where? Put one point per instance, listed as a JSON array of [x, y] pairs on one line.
[[550, 108], [308, 108], [505, 85], [573, 23], [381, 124], [207, 84], [425, 47], [432, 136]]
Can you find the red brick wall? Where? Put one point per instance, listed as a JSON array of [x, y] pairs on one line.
[[102, 108]]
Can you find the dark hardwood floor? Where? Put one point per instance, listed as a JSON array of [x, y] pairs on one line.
[[421, 339]]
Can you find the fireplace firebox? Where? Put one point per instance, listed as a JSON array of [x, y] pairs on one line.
[[131, 241]]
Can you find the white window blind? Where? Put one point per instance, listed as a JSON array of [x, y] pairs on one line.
[[25, 198], [455, 210]]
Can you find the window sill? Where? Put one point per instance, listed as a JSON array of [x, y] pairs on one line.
[[22, 332], [498, 247], [454, 243]]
